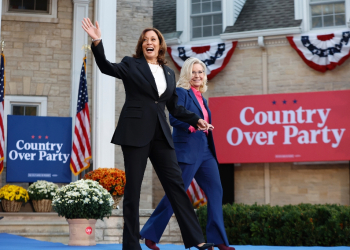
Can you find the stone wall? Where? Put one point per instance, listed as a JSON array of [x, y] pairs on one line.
[[111, 230], [38, 59], [132, 18]]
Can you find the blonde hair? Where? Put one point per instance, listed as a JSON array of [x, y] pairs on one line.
[[186, 74]]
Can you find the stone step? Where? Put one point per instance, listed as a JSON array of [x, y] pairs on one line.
[[23, 217], [33, 227], [51, 237]]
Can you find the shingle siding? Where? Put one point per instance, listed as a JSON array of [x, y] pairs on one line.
[[265, 14], [164, 15]]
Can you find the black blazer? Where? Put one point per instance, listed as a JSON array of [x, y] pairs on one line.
[[143, 106]]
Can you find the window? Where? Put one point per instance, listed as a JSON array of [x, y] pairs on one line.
[[30, 10], [327, 13], [206, 18], [31, 110], [37, 6], [24, 105]]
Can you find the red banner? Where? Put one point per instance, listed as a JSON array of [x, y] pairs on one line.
[[291, 127]]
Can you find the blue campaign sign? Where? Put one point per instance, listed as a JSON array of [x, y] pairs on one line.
[[38, 148]]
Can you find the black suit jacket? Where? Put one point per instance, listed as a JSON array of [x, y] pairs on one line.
[[143, 106]]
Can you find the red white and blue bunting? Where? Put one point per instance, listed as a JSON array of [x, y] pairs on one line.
[[215, 56], [322, 52]]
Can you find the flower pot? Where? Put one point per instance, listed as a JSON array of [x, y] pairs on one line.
[[116, 199], [81, 232], [42, 206], [11, 206]]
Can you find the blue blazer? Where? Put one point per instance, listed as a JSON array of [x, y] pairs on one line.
[[187, 144]]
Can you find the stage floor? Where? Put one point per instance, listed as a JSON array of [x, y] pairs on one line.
[[14, 242]]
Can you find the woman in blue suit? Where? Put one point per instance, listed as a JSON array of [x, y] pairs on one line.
[[195, 152]]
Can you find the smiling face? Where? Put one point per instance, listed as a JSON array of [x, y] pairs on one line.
[[197, 76], [150, 46]]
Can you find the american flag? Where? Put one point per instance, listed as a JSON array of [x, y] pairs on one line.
[[81, 150], [196, 194], [2, 97]]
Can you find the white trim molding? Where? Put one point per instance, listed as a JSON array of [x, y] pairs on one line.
[[50, 17], [257, 33]]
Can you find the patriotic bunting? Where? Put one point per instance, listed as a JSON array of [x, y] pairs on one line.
[[322, 52], [81, 150], [215, 56]]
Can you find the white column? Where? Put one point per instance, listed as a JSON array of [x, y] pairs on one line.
[[0, 14], [3, 172], [81, 10], [265, 91], [104, 88]]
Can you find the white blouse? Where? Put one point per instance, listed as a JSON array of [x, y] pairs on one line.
[[159, 77]]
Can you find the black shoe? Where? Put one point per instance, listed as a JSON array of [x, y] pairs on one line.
[[205, 246]]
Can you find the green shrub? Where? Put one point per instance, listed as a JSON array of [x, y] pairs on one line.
[[290, 225]]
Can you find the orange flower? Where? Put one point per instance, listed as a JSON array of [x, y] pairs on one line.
[[112, 179]]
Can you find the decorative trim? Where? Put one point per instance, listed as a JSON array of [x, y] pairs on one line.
[[257, 33], [268, 41], [30, 17]]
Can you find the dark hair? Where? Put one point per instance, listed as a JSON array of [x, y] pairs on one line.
[[162, 46]]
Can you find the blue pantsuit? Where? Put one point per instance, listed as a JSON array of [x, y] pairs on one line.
[[197, 159]]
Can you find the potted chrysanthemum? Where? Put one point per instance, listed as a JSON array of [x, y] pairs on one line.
[[41, 194], [12, 197], [82, 203], [112, 179]]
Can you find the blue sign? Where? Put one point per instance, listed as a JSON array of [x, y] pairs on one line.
[[38, 148]]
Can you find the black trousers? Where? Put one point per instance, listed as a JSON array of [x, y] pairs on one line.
[[164, 161]]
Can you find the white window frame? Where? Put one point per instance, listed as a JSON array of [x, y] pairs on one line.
[[202, 15], [303, 11], [50, 17], [40, 101], [183, 21]]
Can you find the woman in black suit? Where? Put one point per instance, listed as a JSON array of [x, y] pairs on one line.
[[143, 132]]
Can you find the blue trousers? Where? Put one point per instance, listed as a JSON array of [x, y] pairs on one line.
[[206, 173]]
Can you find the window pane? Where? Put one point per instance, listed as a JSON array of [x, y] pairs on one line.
[[316, 22], [196, 21], [328, 21], [196, 8], [339, 20], [41, 5], [207, 20], [327, 9], [339, 8], [206, 7], [196, 1], [28, 4], [15, 4], [18, 110], [316, 10], [207, 31], [197, 32], [217, 30], [217, 6], [30, 111], [217, 19]]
